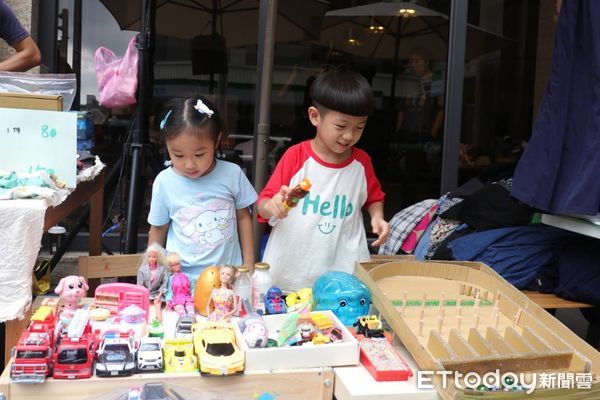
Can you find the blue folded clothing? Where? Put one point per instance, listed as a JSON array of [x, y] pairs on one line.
[[516, 253]]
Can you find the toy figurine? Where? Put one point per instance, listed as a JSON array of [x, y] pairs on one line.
[[343, 294], [254, 331], [274, 303], [179, 288], [306, 328], [153, 275], [293, 197], [300, 301], [223, 299], [71, 289]]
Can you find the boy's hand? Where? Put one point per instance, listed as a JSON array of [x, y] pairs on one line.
[[381, 228], [275, 205]]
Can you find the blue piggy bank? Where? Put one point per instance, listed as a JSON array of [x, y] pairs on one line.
[[343, 294]]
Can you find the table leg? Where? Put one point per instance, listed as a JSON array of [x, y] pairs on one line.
[[96, 214]]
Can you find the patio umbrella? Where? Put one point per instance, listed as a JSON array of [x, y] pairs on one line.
[[236, 20], [381, 30]]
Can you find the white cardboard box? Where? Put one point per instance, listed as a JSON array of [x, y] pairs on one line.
[[308, 356]]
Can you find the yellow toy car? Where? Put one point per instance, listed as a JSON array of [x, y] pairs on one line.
[[179, 356], [218, 354]]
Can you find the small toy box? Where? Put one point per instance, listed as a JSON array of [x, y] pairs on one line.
[[345, 352]]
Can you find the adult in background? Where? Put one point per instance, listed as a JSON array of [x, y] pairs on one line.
[[12, 32]]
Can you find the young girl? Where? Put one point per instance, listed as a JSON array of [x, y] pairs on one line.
[[200, 204], [153, 275], [223, 299], [179, 288]]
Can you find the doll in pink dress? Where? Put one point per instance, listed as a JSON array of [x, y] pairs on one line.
[[223, 299], [180, 287]]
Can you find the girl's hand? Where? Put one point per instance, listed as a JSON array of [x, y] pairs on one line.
[[275, 204], [381, 228]]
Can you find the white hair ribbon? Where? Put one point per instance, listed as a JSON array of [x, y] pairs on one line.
[[203, 108]]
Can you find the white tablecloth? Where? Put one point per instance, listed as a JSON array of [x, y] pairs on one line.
[[21, 230]]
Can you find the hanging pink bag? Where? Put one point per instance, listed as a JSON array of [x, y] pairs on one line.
[[117, 77]]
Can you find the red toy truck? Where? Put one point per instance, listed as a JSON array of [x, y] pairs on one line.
[[34, 350], [76, 350]]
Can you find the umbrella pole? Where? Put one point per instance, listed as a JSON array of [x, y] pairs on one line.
[[139, 139], [262, 113]]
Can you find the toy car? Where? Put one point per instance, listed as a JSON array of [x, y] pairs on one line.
[[370, 326], [179, 355], [116, 355], [154, 391], [274, 302], [150, 355], [183, 327], [217, 351]]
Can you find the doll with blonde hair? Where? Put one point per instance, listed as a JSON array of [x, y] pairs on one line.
[[153, 275], [179, 288], [223, 299]]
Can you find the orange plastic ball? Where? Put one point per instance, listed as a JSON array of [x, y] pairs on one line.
[[207, 281]]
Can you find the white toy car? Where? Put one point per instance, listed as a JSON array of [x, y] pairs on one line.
[[150, 355]]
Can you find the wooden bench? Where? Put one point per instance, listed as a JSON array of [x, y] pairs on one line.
[[551, 301], [590, 312], [95, 267]]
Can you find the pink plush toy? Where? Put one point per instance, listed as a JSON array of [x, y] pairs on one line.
[[71, 289]]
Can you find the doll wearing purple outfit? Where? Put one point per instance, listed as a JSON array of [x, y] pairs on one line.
[[180, 287]]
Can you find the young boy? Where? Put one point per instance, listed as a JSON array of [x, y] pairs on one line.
[[325, 231]]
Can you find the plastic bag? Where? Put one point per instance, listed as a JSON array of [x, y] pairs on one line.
[[117, 77], [64, 85]]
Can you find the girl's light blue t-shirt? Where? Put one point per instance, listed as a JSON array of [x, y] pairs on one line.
[[202, 214]]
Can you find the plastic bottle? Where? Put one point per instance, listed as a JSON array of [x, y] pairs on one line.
[[261, 282], [243, 289]]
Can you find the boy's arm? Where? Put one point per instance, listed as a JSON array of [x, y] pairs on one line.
[[158, 234], [244, 223], [380, 227]]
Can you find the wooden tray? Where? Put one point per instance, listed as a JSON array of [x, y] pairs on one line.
[[464, 317]]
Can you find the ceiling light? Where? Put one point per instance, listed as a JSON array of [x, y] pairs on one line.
[[407, 12]]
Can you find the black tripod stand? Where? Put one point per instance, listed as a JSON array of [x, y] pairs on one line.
[[140, 143]]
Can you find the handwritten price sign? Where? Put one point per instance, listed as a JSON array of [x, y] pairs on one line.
[[39, 140]]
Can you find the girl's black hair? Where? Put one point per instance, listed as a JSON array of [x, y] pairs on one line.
[[179, 114], [343, 90]]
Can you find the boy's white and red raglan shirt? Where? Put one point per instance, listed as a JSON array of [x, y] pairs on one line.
[[326, 230]]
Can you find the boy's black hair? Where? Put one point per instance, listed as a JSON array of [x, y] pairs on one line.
[[343, 90], [179, 114]]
